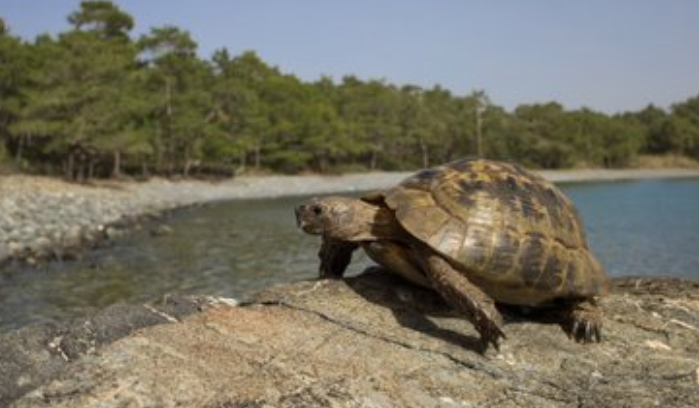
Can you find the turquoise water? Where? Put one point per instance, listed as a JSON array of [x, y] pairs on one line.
[[642, 227], [233, 249]]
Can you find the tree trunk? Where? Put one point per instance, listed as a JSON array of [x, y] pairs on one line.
[[258, 159], [159, 149], [479, 142], [116, 171], [70, 167], [323, 162], [91, 169], [424, 150], [80, 177], [373, 160], [20, 149], [169, 144], [187, 167], [144, 168], [243, 160]]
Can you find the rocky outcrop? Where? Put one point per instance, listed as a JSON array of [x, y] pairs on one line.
[[36, 354], [43, 218], [374, 341]]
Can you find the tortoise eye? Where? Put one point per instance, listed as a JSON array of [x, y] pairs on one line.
[[317, 210]]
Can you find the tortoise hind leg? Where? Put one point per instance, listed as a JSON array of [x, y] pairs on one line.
[[466, 298], [582, 321]]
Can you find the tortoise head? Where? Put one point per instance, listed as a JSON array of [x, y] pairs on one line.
[[346, 219]]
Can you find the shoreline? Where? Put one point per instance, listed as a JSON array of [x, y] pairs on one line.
[[44, 218], [596, 175]]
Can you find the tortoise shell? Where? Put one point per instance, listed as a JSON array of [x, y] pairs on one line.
[[511, 232]]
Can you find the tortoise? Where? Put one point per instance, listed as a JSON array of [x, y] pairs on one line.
[[477, 232]]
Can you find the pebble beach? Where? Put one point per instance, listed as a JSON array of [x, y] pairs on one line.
[[47, 218]]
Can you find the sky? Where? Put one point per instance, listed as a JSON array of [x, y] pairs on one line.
[[606, 55]]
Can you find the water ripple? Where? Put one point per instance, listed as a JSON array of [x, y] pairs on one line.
[[235, 248]]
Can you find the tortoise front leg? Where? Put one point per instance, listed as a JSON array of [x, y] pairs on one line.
[[334, 256], [466, 298]]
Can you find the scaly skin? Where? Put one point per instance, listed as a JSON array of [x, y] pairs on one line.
[[466, 298]]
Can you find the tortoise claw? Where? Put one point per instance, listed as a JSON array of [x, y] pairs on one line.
[[573, 332], [586, 324], [493, 337], [490, 328]]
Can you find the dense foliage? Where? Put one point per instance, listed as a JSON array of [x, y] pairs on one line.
[[95, 102]]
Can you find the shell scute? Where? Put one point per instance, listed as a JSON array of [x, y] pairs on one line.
[[501, 225], [553, 273]]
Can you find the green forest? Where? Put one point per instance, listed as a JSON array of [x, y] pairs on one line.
[[96, 102]]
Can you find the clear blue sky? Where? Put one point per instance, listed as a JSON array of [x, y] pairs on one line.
[[608, 55]]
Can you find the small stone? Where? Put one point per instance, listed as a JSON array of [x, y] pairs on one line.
[[28, 231], [508, 358], [73, 237], [6, 223], [24, 380], [42, 243], [114, 233], [161, 230], [657, 345], [218, 301], [4, 252], [447, 400], [41, 247], [15, 248], [91, 235]]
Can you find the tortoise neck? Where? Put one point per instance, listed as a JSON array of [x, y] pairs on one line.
[[369, 222]]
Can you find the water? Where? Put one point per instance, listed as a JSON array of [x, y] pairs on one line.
[[236, 248], [642, 227]]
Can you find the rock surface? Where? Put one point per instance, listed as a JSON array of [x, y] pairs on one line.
[[37, 353], [374, 341]]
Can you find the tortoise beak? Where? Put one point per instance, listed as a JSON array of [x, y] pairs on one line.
[[299, 219], [301, 222], [307, 220]]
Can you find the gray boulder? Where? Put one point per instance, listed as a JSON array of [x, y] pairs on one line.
[[374, 341], [36, 354]]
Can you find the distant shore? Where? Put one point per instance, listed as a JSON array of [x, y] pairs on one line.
[[582, 175], [46, 218]]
